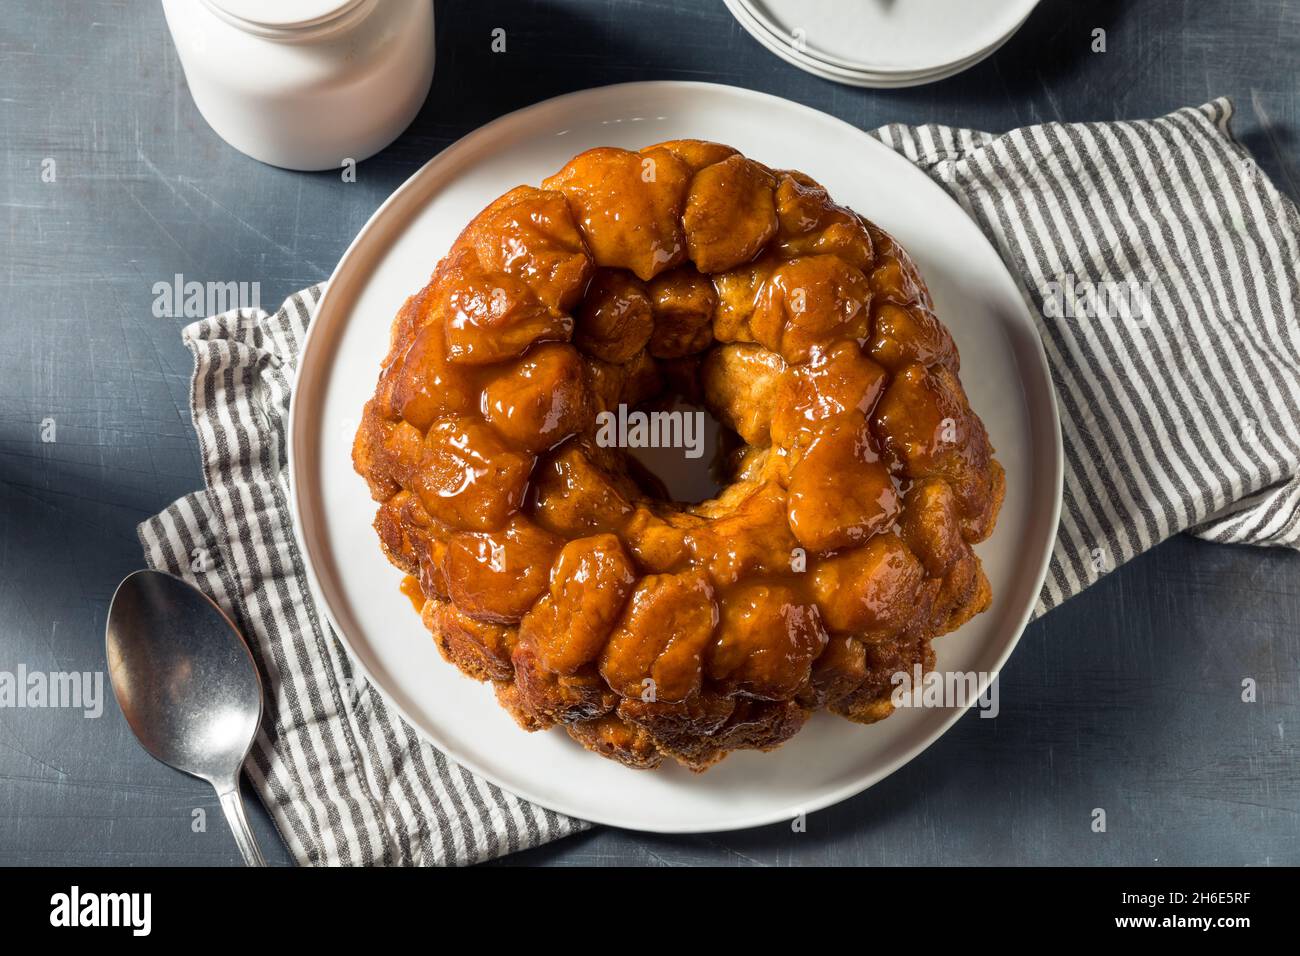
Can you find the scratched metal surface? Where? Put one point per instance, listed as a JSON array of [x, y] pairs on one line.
[[1127, 698]]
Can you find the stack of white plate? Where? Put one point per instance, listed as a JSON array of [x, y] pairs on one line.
[[882, 43]]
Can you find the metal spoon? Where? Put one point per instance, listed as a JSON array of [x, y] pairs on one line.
[[187, 685]]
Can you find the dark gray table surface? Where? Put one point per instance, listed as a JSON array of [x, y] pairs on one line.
[[1127, 698]]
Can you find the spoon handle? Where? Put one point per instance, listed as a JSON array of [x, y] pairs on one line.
[[232, 804]]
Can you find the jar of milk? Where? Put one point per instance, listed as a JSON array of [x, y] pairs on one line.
[[305, 84]]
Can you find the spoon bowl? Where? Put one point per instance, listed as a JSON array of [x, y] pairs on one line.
[[187, 685]]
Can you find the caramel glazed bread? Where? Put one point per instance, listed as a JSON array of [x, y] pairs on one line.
[[553, 568]]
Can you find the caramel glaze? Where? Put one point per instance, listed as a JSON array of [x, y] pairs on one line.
[[555, 569], [410, 586]]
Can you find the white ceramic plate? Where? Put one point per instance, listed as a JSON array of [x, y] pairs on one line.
[[781, 45], [1004, 370], [889, 36]]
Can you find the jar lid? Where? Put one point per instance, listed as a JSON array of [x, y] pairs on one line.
[[283, 15]]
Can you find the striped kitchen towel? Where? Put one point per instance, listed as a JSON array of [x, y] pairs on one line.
[[346, 781], [1162, 266]]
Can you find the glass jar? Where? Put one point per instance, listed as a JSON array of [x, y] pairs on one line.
[[305, 84]]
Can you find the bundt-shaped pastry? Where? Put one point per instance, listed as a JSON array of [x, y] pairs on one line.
[[553, 566]]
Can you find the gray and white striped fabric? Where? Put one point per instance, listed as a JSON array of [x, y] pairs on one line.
[[1182, 415], [346, 781]]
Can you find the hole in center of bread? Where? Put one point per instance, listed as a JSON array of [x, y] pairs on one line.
[[676, 449]]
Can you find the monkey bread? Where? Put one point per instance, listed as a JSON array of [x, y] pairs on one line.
[[557, 568]]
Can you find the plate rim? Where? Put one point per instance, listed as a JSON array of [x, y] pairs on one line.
[[757, 12], [297, 429], [862, 79]]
